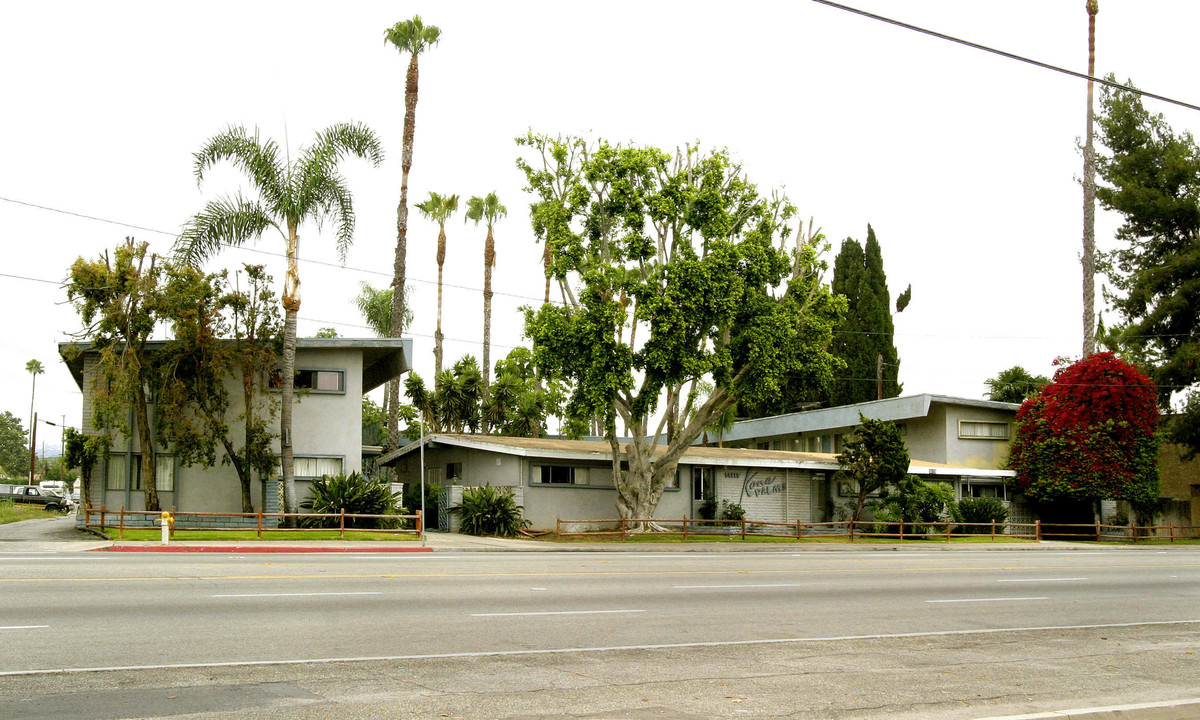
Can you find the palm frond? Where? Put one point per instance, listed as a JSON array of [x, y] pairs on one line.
[[336, 142], [488, 209], [412, 36], [224, 221], [438, 207], [258, 160]]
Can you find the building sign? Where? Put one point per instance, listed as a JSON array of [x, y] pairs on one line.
[[759, 485]]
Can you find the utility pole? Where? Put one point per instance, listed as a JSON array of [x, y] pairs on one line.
[[879, 377], [32, 447], [1089, 198]]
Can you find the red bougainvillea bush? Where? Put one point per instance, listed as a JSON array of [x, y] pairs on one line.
[[1089, 435]]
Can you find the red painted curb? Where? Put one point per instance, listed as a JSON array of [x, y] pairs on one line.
[[254, 549]]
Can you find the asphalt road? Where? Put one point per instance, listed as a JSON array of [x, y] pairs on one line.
[[906, 634]]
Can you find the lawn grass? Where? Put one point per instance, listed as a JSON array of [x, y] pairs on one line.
[[691, 538], [11, 512], [252, 536]]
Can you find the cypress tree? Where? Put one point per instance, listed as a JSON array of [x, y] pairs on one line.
[[867, 332]]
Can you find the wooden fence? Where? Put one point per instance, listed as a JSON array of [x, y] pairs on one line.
[[102, 520], [942, 530]]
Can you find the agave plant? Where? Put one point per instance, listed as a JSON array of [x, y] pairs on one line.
[[355, 494], [490, 511]]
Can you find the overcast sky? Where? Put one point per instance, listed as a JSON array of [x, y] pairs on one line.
[[964, 163]]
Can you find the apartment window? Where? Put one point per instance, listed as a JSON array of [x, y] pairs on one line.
[[985, 490], [116, 476], [561, 475], [453, 471], [984, 430], [317, 381], [310, 468]]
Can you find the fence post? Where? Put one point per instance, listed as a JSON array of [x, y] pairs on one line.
[[1172, 532], [420, 523], [260, 523], [342, 524], [949, 525], [797, 528], [851, 531], [1097, 531], [102, 517], [685, 528], [622, 528], [557, 528], [1133, 529], [171, 532], [1037, 530], [121, 527], [743, 528], [993, 528]]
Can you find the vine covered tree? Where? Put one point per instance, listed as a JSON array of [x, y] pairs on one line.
[[412, 37], [873, 458], [1014, 385], [1089, 436], [687, 248], [117, 301], [290, 190], [83, 452], [439, 208], [1151, 176], [488, 210]]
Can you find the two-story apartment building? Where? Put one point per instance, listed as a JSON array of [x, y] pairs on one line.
[[332, 376]]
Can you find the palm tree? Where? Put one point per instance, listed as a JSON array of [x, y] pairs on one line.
[[489, 210], [34, 368], [290, 192], [412, 37], [375, 305], [439, 208], [1089, 198]]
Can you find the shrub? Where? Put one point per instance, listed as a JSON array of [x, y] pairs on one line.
[[918, 504], [412, 502], [981, 510], [708, 508], [732, 511], [490, 511], [357, 495]]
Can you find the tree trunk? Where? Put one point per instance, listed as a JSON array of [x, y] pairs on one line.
[[489, 260], [291, 306], [399, 265], [1089, 200], [146, 439], [437, 334], [638, 496]]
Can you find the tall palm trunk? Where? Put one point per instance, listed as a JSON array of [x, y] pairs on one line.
[[399, 267], [1089, 199], [437, 335], [32, 395], [291, 307], [489, 261]]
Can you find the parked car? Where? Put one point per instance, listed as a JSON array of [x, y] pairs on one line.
[[34, 495]]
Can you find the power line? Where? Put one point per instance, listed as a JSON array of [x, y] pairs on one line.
[[1002, 53]]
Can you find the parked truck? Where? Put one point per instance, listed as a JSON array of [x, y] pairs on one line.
[[34, 495]]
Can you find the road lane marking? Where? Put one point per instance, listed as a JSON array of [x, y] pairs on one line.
[[23, 627], [1003, 599], [557, 612], [614, 648], [593, 573], [725, 587], [305, 594], [1106, 709], [537, 589], [1039, 579]]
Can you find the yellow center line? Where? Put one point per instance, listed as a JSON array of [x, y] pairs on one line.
[[583, 573]]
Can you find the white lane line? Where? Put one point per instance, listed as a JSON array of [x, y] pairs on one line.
[[560, 612], [1081, 712], [539, 589], [1002, 599], [308, 594], [1040, 579], [613, 648], [725, 587], [23, 627]]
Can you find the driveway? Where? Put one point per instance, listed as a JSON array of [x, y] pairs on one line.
[[55, 530]]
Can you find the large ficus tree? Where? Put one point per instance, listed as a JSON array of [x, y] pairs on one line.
[[290, 190], [686, 248], [1090, 435]]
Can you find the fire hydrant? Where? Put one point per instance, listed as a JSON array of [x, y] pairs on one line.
[[167, 522]]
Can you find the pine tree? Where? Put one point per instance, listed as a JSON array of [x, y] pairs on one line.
[[867, 331]]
